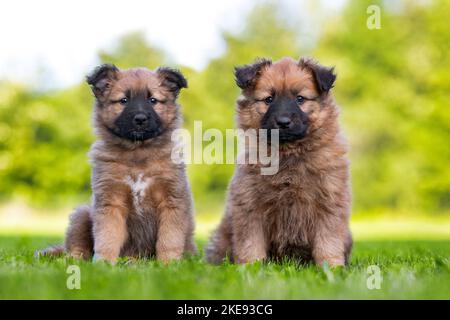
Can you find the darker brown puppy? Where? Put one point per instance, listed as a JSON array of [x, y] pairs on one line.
[[302, 211], [141, 204]]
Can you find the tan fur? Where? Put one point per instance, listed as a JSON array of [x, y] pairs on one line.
[[302, 211], [141, 204]]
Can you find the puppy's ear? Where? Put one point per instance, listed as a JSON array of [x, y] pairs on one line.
[[246, 75], [172, 79], [101, 78], [323, 76]]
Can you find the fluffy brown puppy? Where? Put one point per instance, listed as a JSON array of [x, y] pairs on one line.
[[141, 205], [302, 211]]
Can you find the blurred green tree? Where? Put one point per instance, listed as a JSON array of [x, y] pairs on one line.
[[133, 50], [43, 141]]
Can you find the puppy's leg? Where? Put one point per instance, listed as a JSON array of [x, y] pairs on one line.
[[172, 230], [79, 241], [219, 246], [331, 243], [189, 242], [348, 247], [110, 232], [249, 242], [189, 245]]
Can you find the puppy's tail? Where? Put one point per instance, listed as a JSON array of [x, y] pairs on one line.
[[79, 240], [52, 251]]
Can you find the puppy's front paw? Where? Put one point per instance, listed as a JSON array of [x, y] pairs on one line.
[[167, 256], [105, 258], [331, 261], [250, 258]]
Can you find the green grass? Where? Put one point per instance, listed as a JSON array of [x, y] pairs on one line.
[[410, 270]]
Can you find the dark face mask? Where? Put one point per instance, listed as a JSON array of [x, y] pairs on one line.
[[138, 120], [284, 114]]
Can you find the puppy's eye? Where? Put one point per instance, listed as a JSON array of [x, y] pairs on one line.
[[153, 100], [124, 100], [300, 99], [268, 100]]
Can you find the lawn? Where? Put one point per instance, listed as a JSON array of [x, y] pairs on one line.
[[410, 270], [411, 250]]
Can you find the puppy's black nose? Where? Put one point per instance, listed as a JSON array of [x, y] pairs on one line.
[[283, 122], [140, 119]]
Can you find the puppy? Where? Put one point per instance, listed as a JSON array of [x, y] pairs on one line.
[[302, 211], [141, 204]]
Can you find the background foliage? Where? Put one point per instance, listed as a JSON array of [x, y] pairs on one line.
[[393, 86]]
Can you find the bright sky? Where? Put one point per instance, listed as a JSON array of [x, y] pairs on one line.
[[57, 41]]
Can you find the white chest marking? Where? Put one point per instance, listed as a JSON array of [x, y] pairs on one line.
[[138, 187]]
